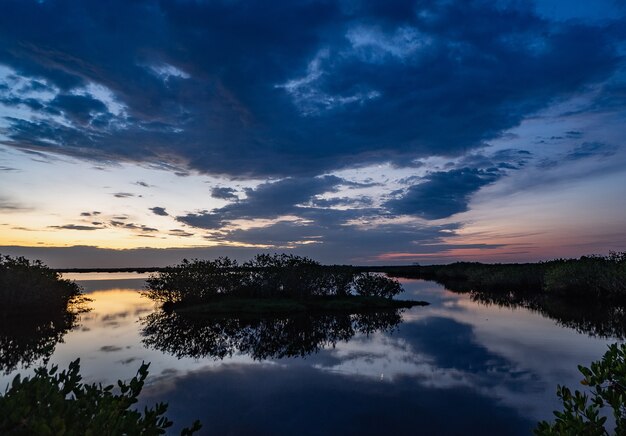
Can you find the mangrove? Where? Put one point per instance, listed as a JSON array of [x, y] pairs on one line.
[[37, 308], [271, 283]]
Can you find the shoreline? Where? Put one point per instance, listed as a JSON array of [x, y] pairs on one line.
[[347, 304]]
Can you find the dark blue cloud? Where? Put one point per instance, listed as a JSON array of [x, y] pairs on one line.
[[289, 89], [78, 108], [159, 211], [591, 149], [224, 193], [360, 201], [268, 200], [443, 193], [349, 243]]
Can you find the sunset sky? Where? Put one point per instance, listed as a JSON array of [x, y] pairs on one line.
[[138, 133]]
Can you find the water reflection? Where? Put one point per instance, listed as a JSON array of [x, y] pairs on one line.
[[183, 335], [463, 365], [593, 318], [27, 338], [296, 399]]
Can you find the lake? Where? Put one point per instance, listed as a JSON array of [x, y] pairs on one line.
[[457, 366]]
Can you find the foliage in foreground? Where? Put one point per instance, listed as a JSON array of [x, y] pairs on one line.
[[581, 411], [265, 276], [52, 403]]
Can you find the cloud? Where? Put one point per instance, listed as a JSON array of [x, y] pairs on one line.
[[224, 193], [591, 149], [76, 227], [268, 200], [159, 211], [442, 194], [132, 226], [361, 201], [352, 242], [78, 108], [10, 206], [291, 89], [123, 195], [180, 233]]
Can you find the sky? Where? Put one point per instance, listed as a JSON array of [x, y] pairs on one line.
[[431, 131]]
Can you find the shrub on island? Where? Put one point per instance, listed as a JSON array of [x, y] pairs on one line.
[[265, 276], [376, 285]]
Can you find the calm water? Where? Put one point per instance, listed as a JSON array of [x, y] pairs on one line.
[[454, 367]]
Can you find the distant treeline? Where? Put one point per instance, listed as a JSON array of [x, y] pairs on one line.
[[265, 276], [138, 270], [599, 276], [602, 277], [154, 269]]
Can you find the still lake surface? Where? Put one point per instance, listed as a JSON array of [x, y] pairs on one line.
[[455, 367]]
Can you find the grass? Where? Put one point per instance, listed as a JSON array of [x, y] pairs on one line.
[[259, 306]]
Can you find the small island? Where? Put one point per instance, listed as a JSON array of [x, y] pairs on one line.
[[271, 284], [258, 306]]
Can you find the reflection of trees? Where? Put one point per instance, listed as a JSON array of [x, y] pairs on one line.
[[590, 317], [261, 338], [28, 337], [37, 308]]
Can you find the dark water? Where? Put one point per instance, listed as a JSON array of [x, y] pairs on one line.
[[457, 366]]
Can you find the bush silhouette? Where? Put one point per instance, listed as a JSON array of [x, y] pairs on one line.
[[52, 402], [265, 276]]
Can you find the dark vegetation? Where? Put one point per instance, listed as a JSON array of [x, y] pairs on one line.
[[37, 308], [586, 294], [589, 276], [278, 278], [30, 286], [600, 277], [581, 414], [349, 304], [273, 306], [58, 403], [138, 270], [261, 337]]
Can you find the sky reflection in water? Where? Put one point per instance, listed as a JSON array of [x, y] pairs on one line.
[[453, 367]]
